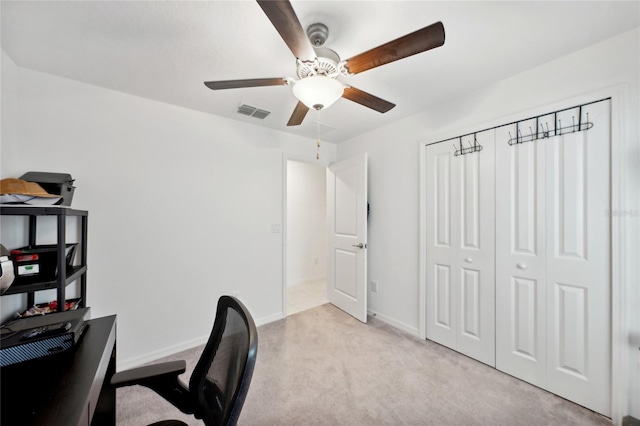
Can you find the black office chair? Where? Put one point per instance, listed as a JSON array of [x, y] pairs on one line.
[[221, 378]]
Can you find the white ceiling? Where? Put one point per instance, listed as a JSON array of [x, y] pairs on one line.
[[165, 50]]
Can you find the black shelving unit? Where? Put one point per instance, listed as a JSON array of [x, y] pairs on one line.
[[65, 275]]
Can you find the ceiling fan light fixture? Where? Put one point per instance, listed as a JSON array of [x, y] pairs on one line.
[[318, 92]]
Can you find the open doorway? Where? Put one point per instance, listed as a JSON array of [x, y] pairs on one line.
[[306, 236]]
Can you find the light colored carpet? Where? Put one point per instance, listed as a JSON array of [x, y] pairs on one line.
[[322, 367]]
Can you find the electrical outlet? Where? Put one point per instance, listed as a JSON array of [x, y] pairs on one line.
[[276, 228], [375, 287]]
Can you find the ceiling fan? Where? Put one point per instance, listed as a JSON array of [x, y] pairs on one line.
[[318, 68]]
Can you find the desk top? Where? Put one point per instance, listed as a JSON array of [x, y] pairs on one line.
[[57, 390]]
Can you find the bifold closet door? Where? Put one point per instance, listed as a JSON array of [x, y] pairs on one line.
[[460, 249], [553, 249]]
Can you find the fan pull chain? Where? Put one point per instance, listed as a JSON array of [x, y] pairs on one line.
[[318, 134]]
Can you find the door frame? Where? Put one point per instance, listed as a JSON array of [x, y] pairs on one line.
[[322, 162], [620, 243]]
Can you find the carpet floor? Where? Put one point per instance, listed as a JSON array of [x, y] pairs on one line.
[[323, 367]]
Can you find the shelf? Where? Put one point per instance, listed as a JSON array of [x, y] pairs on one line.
[[73, 273], [25, 209]]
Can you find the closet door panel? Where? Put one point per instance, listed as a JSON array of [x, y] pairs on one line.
[[524, 318], [476, 256], [442, 296], [470, 304], [578, 300], [522, 173], [460, 249], [520, 259], [443, 211]]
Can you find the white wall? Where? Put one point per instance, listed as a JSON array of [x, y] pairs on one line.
[[9, 97], [394, 171], [306, 222], [180, 204], [9, 132]]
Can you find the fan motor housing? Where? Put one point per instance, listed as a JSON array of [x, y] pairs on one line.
[[318, 34], [326, 63]]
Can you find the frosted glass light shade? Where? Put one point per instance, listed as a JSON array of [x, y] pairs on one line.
[[318, 92]]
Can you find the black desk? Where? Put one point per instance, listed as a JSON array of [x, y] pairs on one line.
[[67, 389]]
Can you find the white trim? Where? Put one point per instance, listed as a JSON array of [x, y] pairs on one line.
[[422, 287], [180, 347], [619, 262], [394, 323], [269, 319], [285, 159], [161, 353], [619, 242]]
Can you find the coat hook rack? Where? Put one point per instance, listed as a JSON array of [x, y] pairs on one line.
[[558, 129], [542, 129], [463, 150]]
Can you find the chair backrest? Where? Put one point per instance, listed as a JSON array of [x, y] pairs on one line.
[[221, 378]]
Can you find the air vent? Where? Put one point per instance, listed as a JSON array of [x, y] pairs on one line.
[[252, 111], [261, 114]]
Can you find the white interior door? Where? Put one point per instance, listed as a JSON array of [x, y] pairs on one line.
[[553, 262], [347, 220], [460, 249]]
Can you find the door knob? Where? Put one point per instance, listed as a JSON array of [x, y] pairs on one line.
[[358, 245], [522, 266], [468, 260]]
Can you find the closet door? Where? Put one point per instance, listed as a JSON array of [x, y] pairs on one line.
[[578, 262], [553, 259], [521, 318], [460, 249], [443, 216]]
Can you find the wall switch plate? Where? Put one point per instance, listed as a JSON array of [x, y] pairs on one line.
[[276, 228], [375, 286]]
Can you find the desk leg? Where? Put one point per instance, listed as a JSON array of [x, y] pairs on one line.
[[105, 413]]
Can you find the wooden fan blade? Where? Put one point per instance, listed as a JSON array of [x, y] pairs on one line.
[[298, 114], [367, 99], [285, 20], [236, 84], [419, 41]]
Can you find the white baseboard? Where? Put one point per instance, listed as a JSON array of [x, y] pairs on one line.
[[269, 318], [394, 323], [161, 353], [189, 344]]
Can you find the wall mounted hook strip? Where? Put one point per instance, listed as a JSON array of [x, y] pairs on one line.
[[580, 116], [468, 149], [558, 131], [542, 134]]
